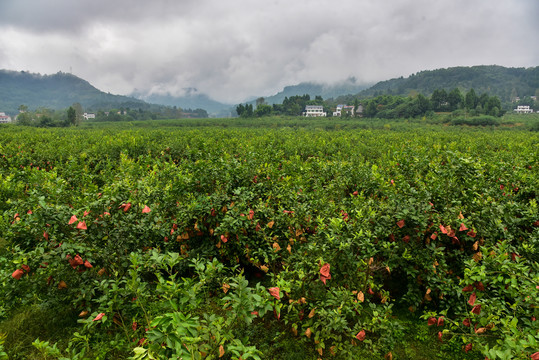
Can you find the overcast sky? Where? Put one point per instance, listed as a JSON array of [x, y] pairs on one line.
[[234, 49]]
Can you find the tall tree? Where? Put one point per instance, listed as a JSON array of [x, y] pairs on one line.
[[263, 110], [471, 99], [71, 116], [370, 109], [439, 99], [240, 109], [78, 113], [455, 99]]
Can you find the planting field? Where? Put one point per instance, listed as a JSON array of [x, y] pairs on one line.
[[269, 243]]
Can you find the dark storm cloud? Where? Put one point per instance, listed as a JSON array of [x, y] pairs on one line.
[[239, 48]]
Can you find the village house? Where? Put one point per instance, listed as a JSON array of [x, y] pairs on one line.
[[88, 116], [314, 111], [523, 109], [4, 119], [344, 109]]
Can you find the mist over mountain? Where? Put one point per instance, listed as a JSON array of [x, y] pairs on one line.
[[61, 90], [191, 100], [350, 86]]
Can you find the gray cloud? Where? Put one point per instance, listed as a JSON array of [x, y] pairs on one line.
[[235, 49]]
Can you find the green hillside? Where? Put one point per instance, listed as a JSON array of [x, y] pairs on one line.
[[493, 80], [55, 91]]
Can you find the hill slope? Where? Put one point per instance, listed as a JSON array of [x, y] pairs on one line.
[[56, 91], [493, 80]]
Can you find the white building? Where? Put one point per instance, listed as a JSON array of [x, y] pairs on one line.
[[88, 116], [523, 109], [4, 119], [344, 108], [314, 111]]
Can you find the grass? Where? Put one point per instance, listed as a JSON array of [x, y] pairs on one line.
[[29, 324]]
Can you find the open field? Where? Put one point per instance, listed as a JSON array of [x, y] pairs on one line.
[[271, 238]]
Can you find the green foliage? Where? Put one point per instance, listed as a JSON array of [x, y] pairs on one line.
[[476, 121], [203, 241]]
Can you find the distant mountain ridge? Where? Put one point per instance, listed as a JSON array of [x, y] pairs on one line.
[[491, 79], [61, 90], [56, 91]]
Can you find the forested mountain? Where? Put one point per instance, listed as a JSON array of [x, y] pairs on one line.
[[500, 81], [57, 91]]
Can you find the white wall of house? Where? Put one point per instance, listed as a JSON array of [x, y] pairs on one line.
[[314, 111], [4, 119], [346, 108], [523, 109]]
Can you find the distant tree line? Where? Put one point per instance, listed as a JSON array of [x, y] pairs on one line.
[[74, 115], [387, 106], [44, 117], [291, 106]]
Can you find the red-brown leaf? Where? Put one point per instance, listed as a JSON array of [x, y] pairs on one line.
[[146, 209], [361, 335], [72, 220], [324, 278], [443, 229], [462, 227], [125, 207], [78, 260], [441, 321], [472, 298], [400, 223], [274, 291], [221, 351], [17, 274], [467, 288], [431, 321], [466, 322], [324, 271], [82, 225], [99, 317], [479, 286], [476, 309], [480, 330], [468, 347]]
